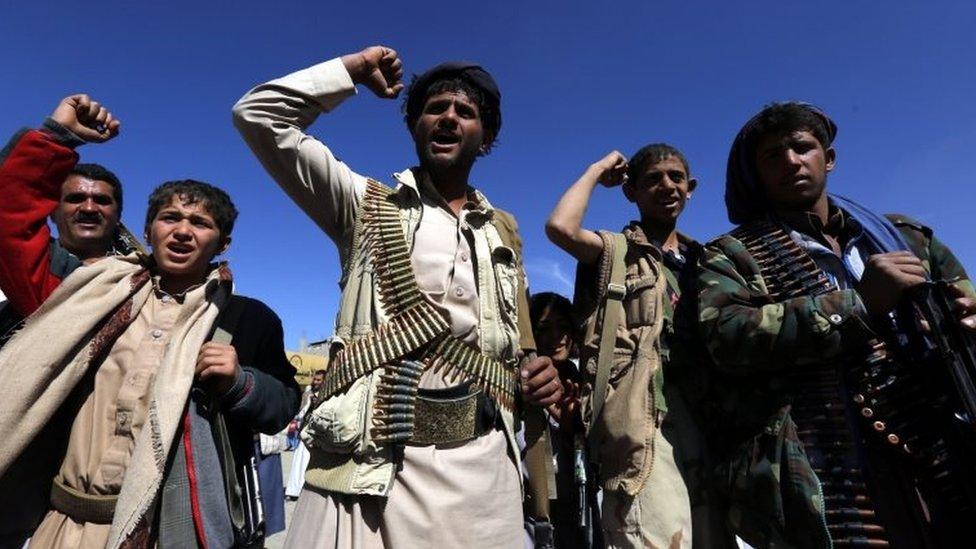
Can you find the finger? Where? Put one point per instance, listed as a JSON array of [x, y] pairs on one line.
[[969, 322], [92, 111], [542, 379], [397, 89], [911, 269], [115, 126]]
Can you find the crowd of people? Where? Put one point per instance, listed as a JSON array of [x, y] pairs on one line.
[[805, 380]]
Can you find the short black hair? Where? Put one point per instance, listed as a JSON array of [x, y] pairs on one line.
[[190, 191], [487, 110], [783, 118], [541, 302], [318, 372], [97, 172], [652, 154]]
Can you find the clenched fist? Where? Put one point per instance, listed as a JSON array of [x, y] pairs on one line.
[[378, 68], [540, 381], [217, 366], [87, 119], [886, 277], [611, 170]]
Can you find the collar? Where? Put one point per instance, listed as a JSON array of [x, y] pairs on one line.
[[837, 227], [417, 182]]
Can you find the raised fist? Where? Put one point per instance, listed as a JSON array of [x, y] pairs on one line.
[[87, 119], [378, 68], [612, 169]]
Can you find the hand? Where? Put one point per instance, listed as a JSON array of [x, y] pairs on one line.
[[87, 119], [965, 308], [611, 169], [565, 411], [885, 279], [378, 68], [217, 366], [540, 381]]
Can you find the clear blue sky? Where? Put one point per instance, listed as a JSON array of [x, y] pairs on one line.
[[578, 79]]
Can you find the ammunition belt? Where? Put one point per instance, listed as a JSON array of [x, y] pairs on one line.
[[818, 407], [896, 400], [415, 329], [786, 268]]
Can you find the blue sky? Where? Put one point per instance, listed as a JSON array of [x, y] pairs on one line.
[[577, 79]]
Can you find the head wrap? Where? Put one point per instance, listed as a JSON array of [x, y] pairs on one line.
[[745, 199], [472, 73]]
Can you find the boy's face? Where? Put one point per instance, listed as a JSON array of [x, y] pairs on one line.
[[661, 191], [448, 132], [554, 335], [792, 168], [185, 239]]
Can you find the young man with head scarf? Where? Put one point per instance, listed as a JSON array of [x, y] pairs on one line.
[[420, 396], [649, 450], [154, 416], [830, 408]]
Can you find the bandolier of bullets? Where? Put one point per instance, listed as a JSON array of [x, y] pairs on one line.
[[786, 268], [904, 412], [415, 328], [823, 425]]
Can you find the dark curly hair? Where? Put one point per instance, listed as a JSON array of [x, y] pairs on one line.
[[782, 118], [649, 155], [490, 117], [190, 191]]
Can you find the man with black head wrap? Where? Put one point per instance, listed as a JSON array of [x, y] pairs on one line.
[[828, 434], [420, 396]]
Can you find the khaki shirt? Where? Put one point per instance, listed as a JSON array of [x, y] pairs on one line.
[[104, 432], [452, 255]]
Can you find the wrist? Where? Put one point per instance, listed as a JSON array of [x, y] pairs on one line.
[[61, 133], [354, 63]]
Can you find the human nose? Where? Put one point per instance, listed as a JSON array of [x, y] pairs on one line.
[[182, 229]]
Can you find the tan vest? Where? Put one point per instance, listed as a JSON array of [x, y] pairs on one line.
[[343, 456]]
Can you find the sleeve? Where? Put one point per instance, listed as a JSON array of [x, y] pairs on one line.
[[272, 119], [266, 396], [33, 167], [945, 265], [509, 227], [743, 336]]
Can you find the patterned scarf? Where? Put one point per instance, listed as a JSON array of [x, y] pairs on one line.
[[74, 330]]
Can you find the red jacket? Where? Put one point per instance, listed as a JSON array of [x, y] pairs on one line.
[[33, 167]]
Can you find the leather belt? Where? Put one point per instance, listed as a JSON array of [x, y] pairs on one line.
[[82, 507], [456, 414]]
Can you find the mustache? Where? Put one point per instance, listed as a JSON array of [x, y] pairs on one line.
[[88, 217]]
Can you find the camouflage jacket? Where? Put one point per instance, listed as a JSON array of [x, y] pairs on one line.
[[773, 494]]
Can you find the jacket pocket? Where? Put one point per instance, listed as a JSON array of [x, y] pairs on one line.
[[641, 301], [338, 424], [629, 421]]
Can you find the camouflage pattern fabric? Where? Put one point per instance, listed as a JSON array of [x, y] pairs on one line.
[[773, 495]]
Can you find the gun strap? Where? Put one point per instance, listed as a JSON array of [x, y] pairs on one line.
[[538, 459], [786, 268], [225, 324], [609, 316]]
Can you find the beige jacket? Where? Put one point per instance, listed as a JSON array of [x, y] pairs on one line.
[[272, 119]]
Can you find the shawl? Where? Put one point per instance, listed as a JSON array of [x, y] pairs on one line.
[[73, 331]]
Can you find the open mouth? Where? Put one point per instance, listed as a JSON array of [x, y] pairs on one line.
[[179, 250], [444, 140]]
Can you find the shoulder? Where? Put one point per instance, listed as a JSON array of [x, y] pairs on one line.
[[254, 310], [917, 235]]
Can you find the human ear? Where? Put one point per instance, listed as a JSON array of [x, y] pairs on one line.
[[628, 189], [224, 245], [692, 184], [831, 156]]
